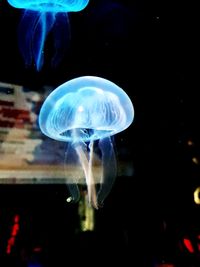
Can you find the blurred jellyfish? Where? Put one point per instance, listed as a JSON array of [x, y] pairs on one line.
[[87, 112], [39, 18]]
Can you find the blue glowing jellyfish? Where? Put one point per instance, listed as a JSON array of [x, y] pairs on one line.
[[39, 18], [87, 112]]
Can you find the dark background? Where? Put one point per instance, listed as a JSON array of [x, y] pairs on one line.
[[151, 50]]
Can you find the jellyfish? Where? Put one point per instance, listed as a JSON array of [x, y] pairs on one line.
[[86, 112], [40, 17]]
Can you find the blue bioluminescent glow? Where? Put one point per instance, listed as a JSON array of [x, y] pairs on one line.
[[40, 17], [87, 112]]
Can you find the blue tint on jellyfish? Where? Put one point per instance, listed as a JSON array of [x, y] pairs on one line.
[[40, 17], [87, 112]]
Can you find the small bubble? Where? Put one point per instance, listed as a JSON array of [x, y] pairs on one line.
[[69, 199]]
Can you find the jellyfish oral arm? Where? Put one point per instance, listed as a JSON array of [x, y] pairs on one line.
[[87, 168], [109, 166], [98, 185]]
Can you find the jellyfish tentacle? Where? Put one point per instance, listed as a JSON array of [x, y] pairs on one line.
[[33, 30], [37, 22], [25, 30], [43, 26], [72, 182], [109, 166], [62, 36]]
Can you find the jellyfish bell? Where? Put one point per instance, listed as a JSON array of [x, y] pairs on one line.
[[50, 5], [86, 112], [39, 19], [87, 102]]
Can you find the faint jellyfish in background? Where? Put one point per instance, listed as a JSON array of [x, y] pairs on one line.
[[86, 112], [41, 17]]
